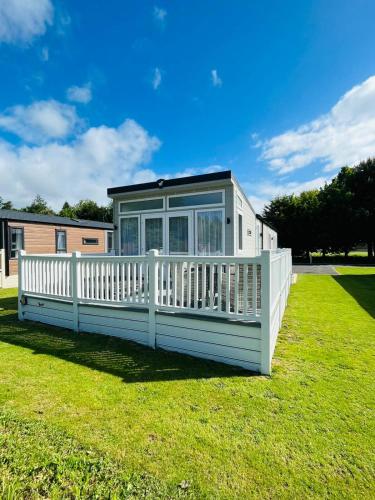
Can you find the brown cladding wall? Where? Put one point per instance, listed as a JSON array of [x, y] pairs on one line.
[[41, 238]]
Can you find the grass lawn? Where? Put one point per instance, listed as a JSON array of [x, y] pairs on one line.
[[87, 415]]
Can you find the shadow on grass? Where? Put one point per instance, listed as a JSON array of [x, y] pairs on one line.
[[361, 287], [127, 360]]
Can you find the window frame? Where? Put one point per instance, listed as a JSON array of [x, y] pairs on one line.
[[193, 193], [85, 238], [222, 210], [240, 231], [107, 233], [134, 216], [142, 211], [56, 239], [142, 234], [10, 228], [181, 213]]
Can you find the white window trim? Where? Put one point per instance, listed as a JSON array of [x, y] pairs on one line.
[[192, 193], [139, 231], [150, 210], [202, 210]]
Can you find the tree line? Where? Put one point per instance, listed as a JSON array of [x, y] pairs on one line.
[[84, 209], [336, 218]]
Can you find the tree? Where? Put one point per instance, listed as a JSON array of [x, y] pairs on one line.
[[5, 205], [295, 218], [68, 211], [281, 213], [338, 218], [360, 182], [89, 209], [39, 206]]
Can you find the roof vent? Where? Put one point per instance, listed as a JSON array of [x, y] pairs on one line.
[[160, 183]]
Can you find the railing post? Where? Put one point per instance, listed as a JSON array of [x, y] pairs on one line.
[[75, 282], [152, 294], [2, 268], [266, 312], [21, 253]]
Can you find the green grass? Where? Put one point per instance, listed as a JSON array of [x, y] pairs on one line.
[[78, 409], [364, 271]]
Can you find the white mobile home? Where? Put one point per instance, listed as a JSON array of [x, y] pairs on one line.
[[195, 271], [199, 215]]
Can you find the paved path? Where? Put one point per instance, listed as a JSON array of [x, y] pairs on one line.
[[312, 269]]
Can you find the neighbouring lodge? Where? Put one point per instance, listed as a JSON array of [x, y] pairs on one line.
[[205, 214], [47, 234]]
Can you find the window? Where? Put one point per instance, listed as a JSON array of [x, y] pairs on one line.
[[178, 234], [16, 239], [240, 237], [192, 200], [129, 236], [110, 241], [142, 205], [90, 241], [60, 241], [153, 233], [210, 232]]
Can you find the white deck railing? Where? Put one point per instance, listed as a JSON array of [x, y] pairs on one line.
[[250, 289]]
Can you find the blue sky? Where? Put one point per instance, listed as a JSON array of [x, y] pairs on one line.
[[95, 94]]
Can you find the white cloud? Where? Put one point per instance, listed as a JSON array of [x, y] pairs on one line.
[[40, 121], [216, 80], [61, 167], [80, 94], [98, 158], [22, 20], [156, 79], [160, 14], [260, 194], [344, 136], [187, 172], [257, 202]]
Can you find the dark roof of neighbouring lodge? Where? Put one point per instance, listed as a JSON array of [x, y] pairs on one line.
[[18, 215], [265, 222], [179, 181]]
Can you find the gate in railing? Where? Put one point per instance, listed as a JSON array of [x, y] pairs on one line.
[[250, 289]]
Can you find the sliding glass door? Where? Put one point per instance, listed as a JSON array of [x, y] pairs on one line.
[[169, 233]]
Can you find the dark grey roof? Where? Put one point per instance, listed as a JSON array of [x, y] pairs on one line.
[[262, 219], [180, 181], [17, 215]]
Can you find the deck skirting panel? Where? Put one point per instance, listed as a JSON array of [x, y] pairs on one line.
[[230, 342]]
